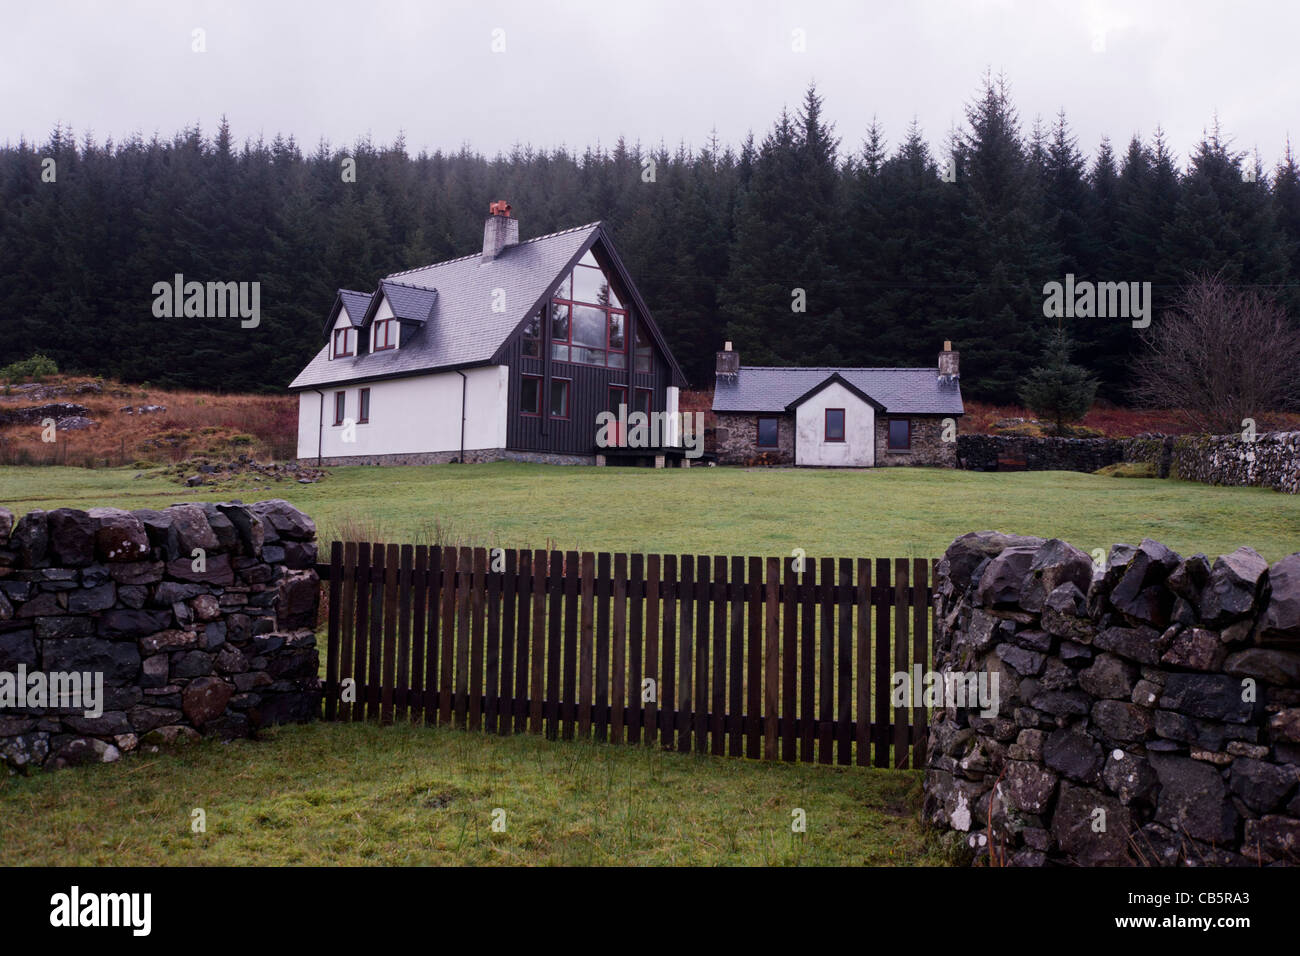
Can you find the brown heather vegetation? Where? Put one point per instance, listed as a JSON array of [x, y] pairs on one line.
[[195, 423]]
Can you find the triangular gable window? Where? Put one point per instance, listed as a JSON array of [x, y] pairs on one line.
[[589, 322]]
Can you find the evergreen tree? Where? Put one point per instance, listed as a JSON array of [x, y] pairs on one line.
[[1058, 389]]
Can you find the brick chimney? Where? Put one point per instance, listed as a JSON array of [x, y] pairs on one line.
[[949, 364], [728, 363], [499, 231]]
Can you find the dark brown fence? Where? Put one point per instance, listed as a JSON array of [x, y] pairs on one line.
[[724, 655]]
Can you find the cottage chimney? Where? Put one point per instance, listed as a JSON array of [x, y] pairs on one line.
[[499, 231], [728, 363], [949, 364]]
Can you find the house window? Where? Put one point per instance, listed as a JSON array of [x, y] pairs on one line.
[[363, 412], [340, 406], [767, 432], [530, 395], [344, 340], [589, 324], [900, 434], [643, 361], [645, 400], [385, 335], [835, 424], [533, 337], [559, 398]]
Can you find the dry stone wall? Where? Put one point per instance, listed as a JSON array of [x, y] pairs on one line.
[[1146, 714], [198, 619]]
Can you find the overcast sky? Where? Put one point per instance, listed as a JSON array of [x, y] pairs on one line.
[[583, 72]]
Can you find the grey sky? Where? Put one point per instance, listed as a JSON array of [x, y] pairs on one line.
[[585, 71]]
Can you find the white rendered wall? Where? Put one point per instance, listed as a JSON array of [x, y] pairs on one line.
[[409, 415], [858, 450]]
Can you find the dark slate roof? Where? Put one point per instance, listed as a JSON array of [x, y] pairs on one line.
[[903, 391], [356, 303], [462, 329], [409, 302]]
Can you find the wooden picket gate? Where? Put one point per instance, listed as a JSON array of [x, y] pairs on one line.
[[722, 655]]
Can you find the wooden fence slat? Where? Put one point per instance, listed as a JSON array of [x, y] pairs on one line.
[[880, 676], [636, 647], [391, 571], [419, 592], [604, 586], [447, 641], [920, 653], [652, 672], [362, 630], [789, 662], [718, 598], [754, 652], [572, 571], [826, 662], [901, 715], [586, 645], [736, 664], [703, 588], [808, 660], [476, 603], [537, 691], [864, 662], [685, 652], [844, 661], [378, 588], [402, 595], [433, 612], [554, 643], [332, 637], [772, 661], [346, 616], [668, 672], [504, 715], [464, 584], [492, 663], [523, 640], [618, 659]]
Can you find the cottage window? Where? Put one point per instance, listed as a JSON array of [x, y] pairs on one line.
[[559, 398], [767, 432], [530, 395], [340, 406], [363, 411], [835, 424], [588, 319], [385, 335], [533, 337], [900, 434], [344, 342]]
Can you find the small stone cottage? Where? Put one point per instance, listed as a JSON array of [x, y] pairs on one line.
[[837, 417]]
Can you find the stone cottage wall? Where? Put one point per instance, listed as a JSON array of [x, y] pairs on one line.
[[186, 648], [1147, 714], [735, 439], [928, 446]]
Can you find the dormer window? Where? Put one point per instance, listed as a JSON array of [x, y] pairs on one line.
[[385, 335], [345, 343]]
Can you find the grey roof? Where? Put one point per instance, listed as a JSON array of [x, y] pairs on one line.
[[409, 302], [356, 304], [462, 329], [903, 391]]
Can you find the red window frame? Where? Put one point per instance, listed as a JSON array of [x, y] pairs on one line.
[[340, 407], [344, 352], [568, 399], [538, 380], [620, 439], [649, 394], [629, 324], [889, 434], [384, 333], [758, 437], [363, 406], [826, 425]]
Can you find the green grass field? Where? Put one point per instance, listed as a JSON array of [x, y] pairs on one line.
[[888, 512], [360, 794]]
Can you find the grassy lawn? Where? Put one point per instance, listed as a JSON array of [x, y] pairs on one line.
[[899, 512], [360, 794]]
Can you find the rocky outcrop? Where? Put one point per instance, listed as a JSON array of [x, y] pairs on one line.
[[198, 620], [1148, 711]]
